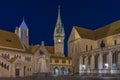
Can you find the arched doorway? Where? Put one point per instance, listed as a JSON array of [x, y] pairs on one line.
[[63, 71], [56, 71]]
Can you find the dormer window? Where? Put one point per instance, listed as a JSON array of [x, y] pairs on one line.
[[8, 40]]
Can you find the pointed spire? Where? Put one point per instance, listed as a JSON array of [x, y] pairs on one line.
[[59, 17], [23, 24]]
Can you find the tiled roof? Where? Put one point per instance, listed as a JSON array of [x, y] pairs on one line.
[[50, 49], [108, 30], [10, 40]]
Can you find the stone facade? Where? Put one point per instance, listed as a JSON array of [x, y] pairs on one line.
[[18, 58], [97, 51]]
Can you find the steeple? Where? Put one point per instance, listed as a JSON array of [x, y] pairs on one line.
[[59, 36], [23, 24], [59, 23]]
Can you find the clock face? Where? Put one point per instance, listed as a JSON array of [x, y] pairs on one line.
[[59, 40]]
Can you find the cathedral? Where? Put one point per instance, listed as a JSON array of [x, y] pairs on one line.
[[18, 58], [95, 51]]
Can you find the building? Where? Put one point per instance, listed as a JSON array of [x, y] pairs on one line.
[[95, 51], [18, 58]]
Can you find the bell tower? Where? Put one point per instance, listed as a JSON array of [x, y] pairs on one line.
[[59, 36]]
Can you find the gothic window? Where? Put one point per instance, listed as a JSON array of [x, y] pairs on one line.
[[102, 45]]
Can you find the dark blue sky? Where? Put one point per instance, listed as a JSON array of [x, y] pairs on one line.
[[41, 16]]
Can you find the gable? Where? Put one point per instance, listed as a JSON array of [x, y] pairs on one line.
[[73, 35]]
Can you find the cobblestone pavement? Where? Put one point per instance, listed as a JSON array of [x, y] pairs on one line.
[[62, 78]]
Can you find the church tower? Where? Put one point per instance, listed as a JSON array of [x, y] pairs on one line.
[[59, 36], [22, 33]]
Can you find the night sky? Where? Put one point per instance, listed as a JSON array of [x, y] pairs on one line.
[[41, 15]]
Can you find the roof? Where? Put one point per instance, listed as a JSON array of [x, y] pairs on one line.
[[10, 40], [50, 49], [85, 33], [23, 25], [108, 30], [33, 48]]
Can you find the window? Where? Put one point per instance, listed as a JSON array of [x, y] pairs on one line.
[[91, 48], [27, 58], [115, 42]]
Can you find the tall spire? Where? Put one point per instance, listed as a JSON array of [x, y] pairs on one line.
[[59, 23], [23, 24]]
